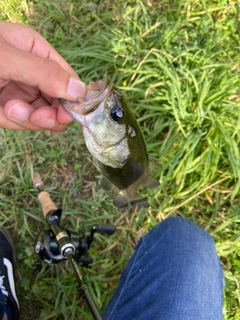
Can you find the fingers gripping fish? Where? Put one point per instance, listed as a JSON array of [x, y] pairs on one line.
[[116, 142]]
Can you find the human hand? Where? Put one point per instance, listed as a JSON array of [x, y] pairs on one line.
[[32, 78]]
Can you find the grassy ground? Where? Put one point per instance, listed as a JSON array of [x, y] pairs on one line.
[[178, 64]]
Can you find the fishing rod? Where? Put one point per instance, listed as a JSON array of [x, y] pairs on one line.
[[57, 244]]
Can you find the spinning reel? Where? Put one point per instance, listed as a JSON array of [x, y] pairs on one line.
[[54, 245], [57, 244]]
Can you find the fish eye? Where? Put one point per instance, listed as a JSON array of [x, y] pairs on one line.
[[116, 114]]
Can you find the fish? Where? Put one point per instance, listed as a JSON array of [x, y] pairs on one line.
[[116, 142]]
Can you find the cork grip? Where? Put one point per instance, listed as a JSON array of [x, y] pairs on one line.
[[37, 181], [46, 202]]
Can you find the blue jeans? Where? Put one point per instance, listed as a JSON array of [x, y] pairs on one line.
[[174, 274]]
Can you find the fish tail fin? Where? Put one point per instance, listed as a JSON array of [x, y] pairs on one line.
[[123, 200], [139, 202]]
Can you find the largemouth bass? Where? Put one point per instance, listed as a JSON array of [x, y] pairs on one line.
[[116, 142]]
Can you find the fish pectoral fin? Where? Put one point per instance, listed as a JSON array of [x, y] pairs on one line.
[[151, 183], [122, 200], [106, 184], [95, 163]]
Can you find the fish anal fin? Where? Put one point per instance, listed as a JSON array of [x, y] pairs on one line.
[[151, 183]]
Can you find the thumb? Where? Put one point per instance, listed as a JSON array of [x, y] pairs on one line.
[[45, 74]]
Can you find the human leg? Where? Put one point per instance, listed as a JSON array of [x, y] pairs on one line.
[[174, 274]]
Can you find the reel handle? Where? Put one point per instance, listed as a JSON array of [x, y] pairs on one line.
[[103, 228]]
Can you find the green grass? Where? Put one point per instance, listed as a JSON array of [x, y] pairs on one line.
[[177, 63]]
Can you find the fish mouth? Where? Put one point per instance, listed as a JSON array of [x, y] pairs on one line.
[[96, 92]]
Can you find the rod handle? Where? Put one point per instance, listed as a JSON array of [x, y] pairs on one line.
[[46, 202]]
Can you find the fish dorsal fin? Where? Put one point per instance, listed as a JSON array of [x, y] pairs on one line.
[[153, 164]]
